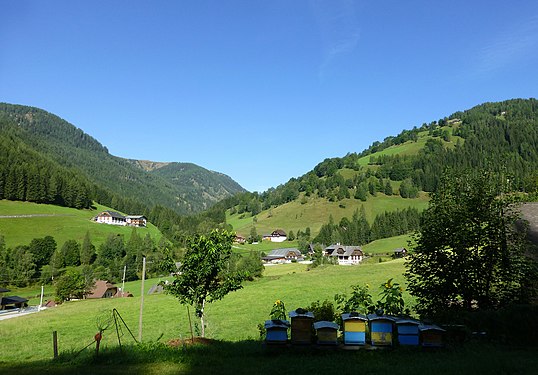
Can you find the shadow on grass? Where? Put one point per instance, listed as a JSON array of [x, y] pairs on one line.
[[253, 357]]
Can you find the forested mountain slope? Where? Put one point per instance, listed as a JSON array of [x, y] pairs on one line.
[[501, 137], [101, 176]]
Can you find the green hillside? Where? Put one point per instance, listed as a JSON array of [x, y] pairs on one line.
[[49, 142], [62, 223], [316, 212], [400, 171]]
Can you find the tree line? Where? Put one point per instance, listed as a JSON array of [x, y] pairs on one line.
[[358, 231]]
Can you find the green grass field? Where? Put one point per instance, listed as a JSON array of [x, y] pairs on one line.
[[387, 245], [233, 319], [316, 212], [26, 345], [63, 224]]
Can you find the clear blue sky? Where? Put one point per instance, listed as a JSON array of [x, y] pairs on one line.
[[262, 90]]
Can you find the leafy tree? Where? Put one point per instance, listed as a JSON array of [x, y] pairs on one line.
[[22, 266], [71, 284], [388, 188], [42, 250], [203, 276], [291, 236], [468, 253], [253, 237], [87, 251], [71, 253]]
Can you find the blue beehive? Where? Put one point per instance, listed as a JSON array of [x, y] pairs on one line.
[[381, 332], [327, 332], [408, 333], [276, 331], [431, 335], [355, 326]]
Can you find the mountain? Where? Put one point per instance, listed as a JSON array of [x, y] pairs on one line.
[[63, 150], [399, 171]]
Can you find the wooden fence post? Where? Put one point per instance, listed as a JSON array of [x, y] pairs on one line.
[[55, 343]]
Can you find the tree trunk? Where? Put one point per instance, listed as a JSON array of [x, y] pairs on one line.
[[202, 320]]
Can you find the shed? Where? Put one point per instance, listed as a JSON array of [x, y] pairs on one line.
[[276, 331], [431, 335], [12, 302], [301, 326], [400, 252], [326, 332], [381, 329], [408, 333], [354, 328]]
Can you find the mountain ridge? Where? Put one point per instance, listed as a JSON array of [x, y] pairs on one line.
[[70, 147]]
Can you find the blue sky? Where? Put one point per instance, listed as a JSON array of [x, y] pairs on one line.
[[262, 90]]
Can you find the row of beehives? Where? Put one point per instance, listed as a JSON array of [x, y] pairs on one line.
[[374, 330]]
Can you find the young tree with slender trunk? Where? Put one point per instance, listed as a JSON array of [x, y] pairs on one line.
[[203, 276]]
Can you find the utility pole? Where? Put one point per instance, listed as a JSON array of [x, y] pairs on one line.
[[141, 300], [123, 282], [41, 299]]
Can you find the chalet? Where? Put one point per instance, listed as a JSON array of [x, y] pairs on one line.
[[346, 255], [283, 256], [103, 289], [136, 220], [240, 239], [112, 218], [115, 218], [400, 252], [277, 236]]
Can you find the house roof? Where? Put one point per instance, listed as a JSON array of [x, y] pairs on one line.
[[346, 251], [278, 232], [12, 300], [400, 250], [113, 214], [4, 290], [100, 288], [277, 253], [135, 217]]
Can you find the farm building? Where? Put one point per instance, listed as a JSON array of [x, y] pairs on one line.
[[103, 289], [12, 302], [400, 252], [115, 218], [286, 255], [346, 255], [276, 236]]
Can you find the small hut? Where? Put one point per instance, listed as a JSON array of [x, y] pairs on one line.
[[354, 328], [408, 333], [431, 335], [326, 332], [276, 331], [380, 329], [301, 326]]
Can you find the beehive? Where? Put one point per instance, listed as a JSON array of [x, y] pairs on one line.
[[408, 333], [380, 329], [276, 331], [301, 327], [326, 332], [431, 335], [355, 326]]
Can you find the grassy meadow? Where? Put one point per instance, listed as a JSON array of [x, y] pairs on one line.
[[316, 212], [234, 318], [62, 223], [26, 344]]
